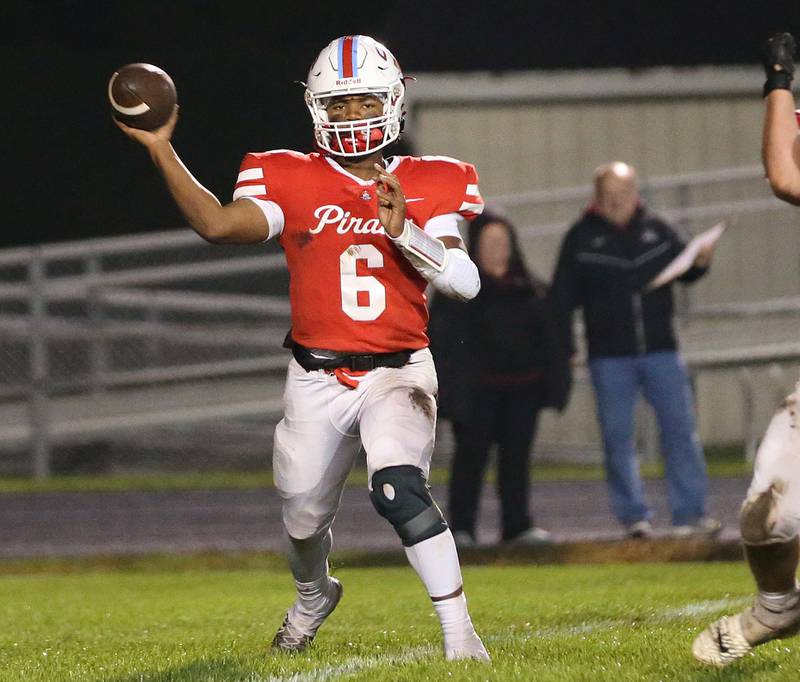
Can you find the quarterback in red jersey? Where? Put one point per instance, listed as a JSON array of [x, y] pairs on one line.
[[364, 236], [320, 209]]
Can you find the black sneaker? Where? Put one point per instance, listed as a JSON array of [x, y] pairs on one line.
[[464, 539], [293, 639]]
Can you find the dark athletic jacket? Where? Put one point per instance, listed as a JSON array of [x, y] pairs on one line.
[[604, 270]]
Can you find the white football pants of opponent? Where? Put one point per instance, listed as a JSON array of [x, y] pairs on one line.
[[769, 522], [770, 516]]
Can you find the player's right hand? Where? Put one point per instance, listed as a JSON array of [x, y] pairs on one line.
[[151, 138], [779, 62], [391, 202]]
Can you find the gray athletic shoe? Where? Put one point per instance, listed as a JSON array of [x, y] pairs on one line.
[[292, 637], [533, 537], [705, 527], [639, 530]]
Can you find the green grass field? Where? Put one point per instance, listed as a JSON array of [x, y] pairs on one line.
[[566, 623]]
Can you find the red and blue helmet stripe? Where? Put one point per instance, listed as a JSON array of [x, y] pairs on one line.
[[348, 57]]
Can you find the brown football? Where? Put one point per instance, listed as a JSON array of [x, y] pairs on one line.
[[142, 96]]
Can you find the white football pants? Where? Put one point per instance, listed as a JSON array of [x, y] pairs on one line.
[[777, 466], [392, 414]]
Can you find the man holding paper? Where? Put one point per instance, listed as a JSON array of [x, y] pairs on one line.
[[617, 264]]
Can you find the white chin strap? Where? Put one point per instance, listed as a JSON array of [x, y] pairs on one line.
[[450, 271]]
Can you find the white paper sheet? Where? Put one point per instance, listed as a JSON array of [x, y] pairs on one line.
[[686, 258]]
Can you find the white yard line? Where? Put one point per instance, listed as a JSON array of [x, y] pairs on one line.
[[359, 664]]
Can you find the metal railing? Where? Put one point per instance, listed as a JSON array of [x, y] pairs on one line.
[[112, 322]]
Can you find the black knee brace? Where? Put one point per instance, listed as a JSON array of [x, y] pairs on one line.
[[400, 495]]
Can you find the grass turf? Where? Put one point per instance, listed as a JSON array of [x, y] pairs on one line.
[[563, 623]]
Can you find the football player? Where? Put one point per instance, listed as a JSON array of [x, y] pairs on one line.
[[770, 516], [364, 236]]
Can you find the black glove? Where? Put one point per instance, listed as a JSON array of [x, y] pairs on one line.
[[779, 63]]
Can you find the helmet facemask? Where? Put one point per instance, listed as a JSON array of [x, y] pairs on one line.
[[376, 73], [357, 138]]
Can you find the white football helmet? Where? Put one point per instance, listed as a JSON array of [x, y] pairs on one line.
[[355, 65]]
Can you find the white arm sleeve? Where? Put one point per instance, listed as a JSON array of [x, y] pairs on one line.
[[450, 271], [272, 212], [459, 279]]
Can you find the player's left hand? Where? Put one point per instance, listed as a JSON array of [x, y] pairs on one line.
[[391, 202], [779, 62], [779, 54]]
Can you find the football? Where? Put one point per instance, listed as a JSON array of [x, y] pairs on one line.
[[142, 96]]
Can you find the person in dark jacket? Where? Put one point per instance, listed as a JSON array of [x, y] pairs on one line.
[[606, 261], [499, 362]]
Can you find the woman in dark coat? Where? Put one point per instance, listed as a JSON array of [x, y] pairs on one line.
[[499, 363]]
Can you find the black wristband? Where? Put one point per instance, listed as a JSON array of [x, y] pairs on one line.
[[777, 80]]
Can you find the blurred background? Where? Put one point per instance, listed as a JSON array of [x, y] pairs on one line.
[[128, 344]]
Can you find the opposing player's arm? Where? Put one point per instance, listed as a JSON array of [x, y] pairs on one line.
[[240, 222], [780, 146]]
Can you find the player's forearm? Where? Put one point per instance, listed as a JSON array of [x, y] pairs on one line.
[[200, 207], [440, 261], [781, 146]]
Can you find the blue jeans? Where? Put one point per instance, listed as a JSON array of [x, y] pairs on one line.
[[664, 382]]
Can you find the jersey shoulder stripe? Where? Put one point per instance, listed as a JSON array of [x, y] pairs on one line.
[[261, 174]]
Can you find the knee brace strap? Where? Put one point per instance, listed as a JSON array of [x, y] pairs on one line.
[[400, 494]]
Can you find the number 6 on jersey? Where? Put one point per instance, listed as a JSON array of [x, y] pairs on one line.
[[353, 284]]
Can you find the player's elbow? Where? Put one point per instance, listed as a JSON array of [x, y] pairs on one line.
[[469, 290], [786, 189], [217, 227], [215, 233], [461, 296], [209, 224], [460, 279], [240, 222]]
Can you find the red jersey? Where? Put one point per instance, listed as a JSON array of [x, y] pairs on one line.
[[351, 289]]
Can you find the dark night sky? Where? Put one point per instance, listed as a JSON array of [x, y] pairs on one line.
[[70, 174]]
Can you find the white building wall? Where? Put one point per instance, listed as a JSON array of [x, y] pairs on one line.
[[542, 131]]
